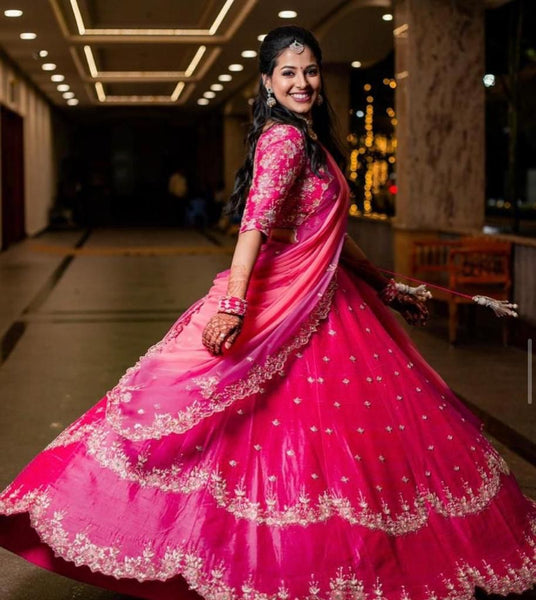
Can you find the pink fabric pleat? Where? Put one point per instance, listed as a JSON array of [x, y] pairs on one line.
[[178, 383], [320, 459]]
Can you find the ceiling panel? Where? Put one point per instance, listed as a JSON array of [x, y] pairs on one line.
[[143, 57], [173, 51], [153, 14], [139, 89]]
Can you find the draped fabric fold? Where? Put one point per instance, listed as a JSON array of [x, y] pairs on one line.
[[288, 294]]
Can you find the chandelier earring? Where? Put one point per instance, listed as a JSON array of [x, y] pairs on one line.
[[270, 100], [319, 100]]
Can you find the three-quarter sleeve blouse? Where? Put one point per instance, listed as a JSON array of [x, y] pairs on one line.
[[279, 162]]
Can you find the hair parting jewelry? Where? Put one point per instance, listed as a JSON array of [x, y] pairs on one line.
[[297, 47]]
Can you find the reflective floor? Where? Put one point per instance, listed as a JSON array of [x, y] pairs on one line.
[[78, 308]]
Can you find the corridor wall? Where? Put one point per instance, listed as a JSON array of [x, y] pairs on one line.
[[20, 96]]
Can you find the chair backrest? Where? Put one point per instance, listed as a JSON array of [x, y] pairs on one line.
[[429, 259], [480, 263]]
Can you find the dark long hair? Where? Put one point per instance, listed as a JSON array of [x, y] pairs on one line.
[[323, 116]]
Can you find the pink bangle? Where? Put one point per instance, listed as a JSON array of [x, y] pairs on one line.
[[231, 305]]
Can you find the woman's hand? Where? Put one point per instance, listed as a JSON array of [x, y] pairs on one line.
[[220, 332], [411, 308]]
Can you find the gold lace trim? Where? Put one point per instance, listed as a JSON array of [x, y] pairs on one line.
[[211, 583], [164, 424], [409, 515]]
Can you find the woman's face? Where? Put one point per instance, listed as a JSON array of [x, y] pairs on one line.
[[296, 81]]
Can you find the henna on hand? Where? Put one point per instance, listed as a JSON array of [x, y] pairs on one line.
[[220, 332], [413, 310]]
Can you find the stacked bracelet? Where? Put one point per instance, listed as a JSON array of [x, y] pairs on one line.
[[389, 292], [231, 305]]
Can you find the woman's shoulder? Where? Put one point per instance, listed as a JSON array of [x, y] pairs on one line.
[[280, 132]]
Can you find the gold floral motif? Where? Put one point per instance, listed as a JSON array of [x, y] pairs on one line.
[[279, 161], [211, 582], [164, 424], [410, 515]]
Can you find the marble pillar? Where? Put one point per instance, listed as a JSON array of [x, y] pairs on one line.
[[439, 48]]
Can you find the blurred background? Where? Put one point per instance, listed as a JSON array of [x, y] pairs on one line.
[[122, 125]]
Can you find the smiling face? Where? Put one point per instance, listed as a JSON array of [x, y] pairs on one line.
[[295, 81]]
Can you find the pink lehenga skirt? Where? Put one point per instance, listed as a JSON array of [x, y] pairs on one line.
[[351, 471]]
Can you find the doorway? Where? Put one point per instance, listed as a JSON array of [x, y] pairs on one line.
[[12, 169]]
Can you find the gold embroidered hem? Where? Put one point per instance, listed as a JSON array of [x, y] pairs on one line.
[[513, 576]]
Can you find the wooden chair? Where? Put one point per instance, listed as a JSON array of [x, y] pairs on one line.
[[472, 266]]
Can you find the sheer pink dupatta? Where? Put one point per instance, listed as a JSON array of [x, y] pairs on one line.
[[289, 293]]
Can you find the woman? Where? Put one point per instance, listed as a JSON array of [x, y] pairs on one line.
[[285, 439]]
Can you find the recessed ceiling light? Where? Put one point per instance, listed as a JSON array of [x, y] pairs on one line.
[[225, 77], [48, 66], [57, 78], [13, 13], [387, 17], [68, 95], [63, 87], [216, 87], [287, 14], [249, 54], [28, 35], [72, 101], [356, 64], [43, 53], [209, 95], [202, 101], [261, 37], [236, 67]]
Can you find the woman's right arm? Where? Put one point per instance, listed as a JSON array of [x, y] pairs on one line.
[[222, 329], [279, 160]]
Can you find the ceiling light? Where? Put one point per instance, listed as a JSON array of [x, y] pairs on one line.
[[236, 67], [225, 77], [261, 37], [68, 95], [387, 17], [356, 64], [48, 66], [43, 53], [57, 78], [72, 101], [202, 101], [13, 13], [63, 87], [287, 14], [209, 95], [216, 87], [248, 54], [489, 80], [28, 36]]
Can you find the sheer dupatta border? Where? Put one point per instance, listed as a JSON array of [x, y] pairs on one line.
[[300, 284]]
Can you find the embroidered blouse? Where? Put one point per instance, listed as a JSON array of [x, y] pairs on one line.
[[284, 191]]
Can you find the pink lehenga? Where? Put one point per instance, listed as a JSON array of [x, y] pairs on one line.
[[319, 458]]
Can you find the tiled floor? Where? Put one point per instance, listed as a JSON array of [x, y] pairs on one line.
[[70, 326]]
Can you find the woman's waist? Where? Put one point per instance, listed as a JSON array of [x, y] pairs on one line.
[[287, 235]]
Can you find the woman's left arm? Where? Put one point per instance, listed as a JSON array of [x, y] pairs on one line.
[[223, 328], [409, 302]]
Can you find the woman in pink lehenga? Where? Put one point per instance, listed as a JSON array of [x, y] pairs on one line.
[[285, 440]]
